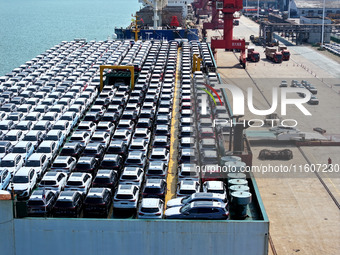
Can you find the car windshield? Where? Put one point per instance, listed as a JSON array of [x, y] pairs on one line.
[[48, 183], [64, 204], [20, 179], [36, 202], [102, 180], [74, 183], [152, 190], [84, 166], [124, 196], [2, 150], [155, 171], [30, 138], [44, 150], [158, 156], [186, 200], [187, 191], [7, 163], [133, 160], [33, 163], [185, 208], [149, 210], [94, 200], [19, 150]]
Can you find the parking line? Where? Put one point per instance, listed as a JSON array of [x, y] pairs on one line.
[[171, 178]]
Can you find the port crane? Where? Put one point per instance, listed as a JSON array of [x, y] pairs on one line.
[[157, 6], [201, 7], [215, 22], [227, 42]]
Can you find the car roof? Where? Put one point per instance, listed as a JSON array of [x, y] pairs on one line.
[[77, 175], [104, 173], [37, 194], [214, 185], [206, 204], [150, 202], [23, 171], [96, 192], [125, 188], [67, 195]]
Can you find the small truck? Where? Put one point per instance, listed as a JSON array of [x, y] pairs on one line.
[[253, 55], [273, 55], [285, 52]]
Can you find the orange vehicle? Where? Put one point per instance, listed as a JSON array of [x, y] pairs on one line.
[[253, 55], [285, 52]]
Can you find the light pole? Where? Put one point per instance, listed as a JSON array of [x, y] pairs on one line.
[[289, 8], [323, 22], [258, 9]]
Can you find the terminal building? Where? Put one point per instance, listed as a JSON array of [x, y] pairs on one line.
[[313, 7]]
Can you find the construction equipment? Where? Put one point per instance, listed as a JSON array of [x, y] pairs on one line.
[[273, 55], [229, 8], [201, 7], [253, 55], [276, 155], [285, 52]]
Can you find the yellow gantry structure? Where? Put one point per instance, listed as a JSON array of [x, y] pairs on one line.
[[196, 63], [172, 177], [136, 30], [131, 68]]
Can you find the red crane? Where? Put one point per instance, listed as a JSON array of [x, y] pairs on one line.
[[201, 7], [215, 18], [229, 7]]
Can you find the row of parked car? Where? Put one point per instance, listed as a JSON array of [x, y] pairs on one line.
[[197, 199], [306, 85], [333, 48]]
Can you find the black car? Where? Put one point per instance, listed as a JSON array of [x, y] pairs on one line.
[[98, 202], [112, 161], [93, 116], [118, 147], [106, 178], [94, 150], [72, 149], [87, 164], [69, 204], [111, 117], [154, 188], [36, 206]]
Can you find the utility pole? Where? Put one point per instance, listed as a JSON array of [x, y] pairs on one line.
[[323, 22]]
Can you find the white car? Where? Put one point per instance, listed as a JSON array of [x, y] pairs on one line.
[[187, 187], [48, 147], [215, 187], [53, 181], [24, 181], [79, 182], [39, 161], [151, 208], [199, 196], [12, 161], [126, 197]]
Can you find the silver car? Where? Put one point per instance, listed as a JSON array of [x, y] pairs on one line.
[[126, 197], [199, 196], [151, 208]]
